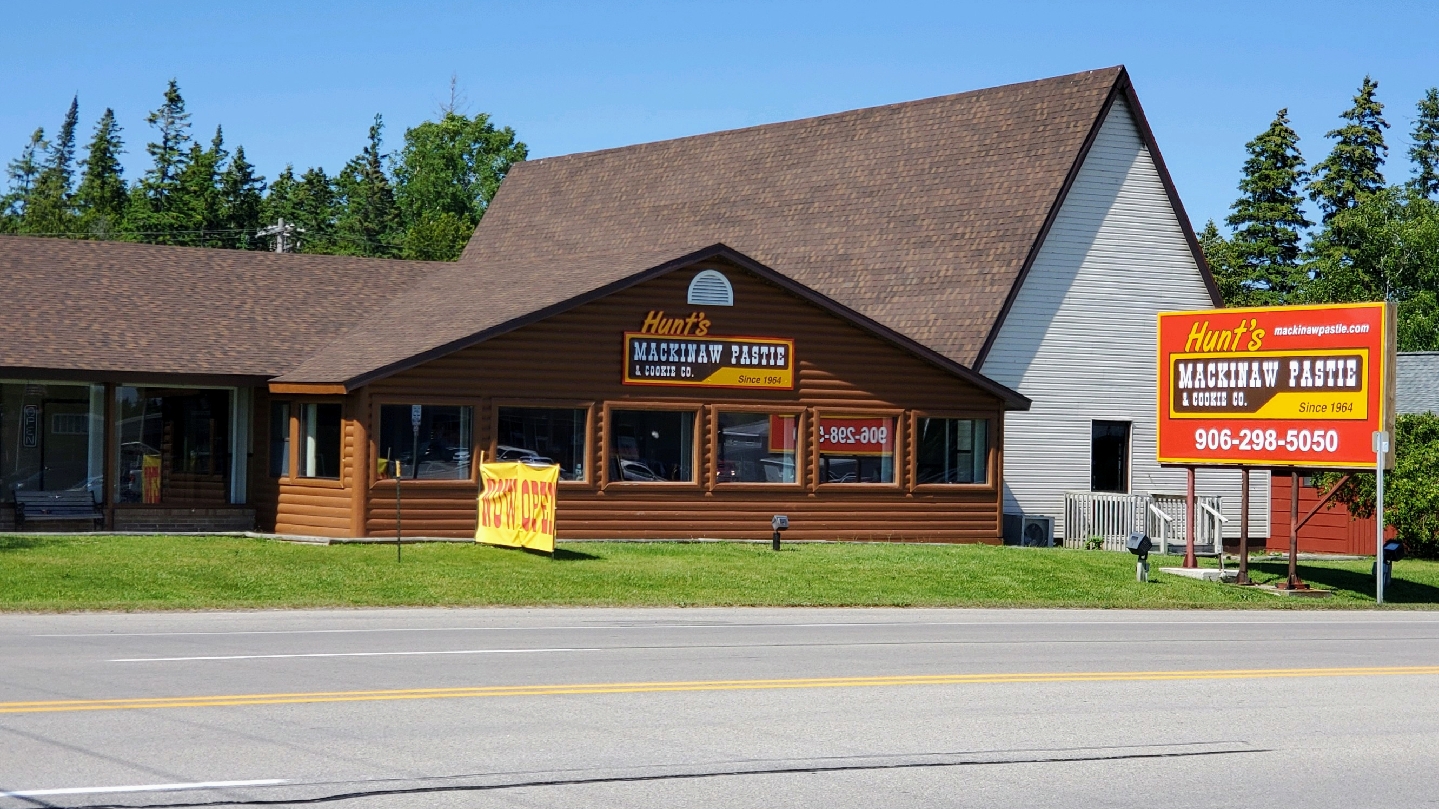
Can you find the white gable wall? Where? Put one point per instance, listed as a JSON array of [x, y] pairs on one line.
[[1080, 338]]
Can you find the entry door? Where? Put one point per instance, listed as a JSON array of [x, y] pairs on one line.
[[65, 445]]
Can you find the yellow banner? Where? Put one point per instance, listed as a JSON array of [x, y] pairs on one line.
[[517, 505]]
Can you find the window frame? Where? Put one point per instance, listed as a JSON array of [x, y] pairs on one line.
[[991, 450], [801, 450], [592, 470], [696, 483], [901, 448], [296, 433], [373, 439]]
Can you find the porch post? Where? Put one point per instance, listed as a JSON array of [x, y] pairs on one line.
[[1189, 560], [109, 484], [1243, 577]]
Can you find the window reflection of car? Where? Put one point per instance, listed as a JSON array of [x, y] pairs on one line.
[[635, 470], [505, 452]]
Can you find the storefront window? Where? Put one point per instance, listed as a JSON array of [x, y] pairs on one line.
[[52, 438], [320, 441], [951, 450], [438, 450], [279, 439], [652, 445], [542, 435], [856, 449], [757, 448], [174, 445]]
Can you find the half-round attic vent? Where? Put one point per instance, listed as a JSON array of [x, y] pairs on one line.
[[710, 288]]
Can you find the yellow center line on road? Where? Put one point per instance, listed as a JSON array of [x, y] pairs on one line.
[[472, 692]]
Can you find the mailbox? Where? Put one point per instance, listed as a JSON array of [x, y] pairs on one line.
[[1393, 551], [1139, 544]]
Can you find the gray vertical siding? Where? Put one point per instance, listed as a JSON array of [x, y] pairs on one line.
[[1080, 338]]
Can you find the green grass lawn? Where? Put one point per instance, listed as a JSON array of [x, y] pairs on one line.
[[51, 573]]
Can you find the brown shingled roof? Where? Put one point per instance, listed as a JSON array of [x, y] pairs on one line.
[[921, 216], [118, 308]]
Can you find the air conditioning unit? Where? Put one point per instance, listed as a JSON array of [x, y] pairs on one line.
[[1029, 530]]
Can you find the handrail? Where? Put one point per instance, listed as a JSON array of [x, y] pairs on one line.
[[1161, 515], [1206, 507]]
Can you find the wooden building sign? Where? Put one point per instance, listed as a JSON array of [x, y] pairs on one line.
[[709, 362]]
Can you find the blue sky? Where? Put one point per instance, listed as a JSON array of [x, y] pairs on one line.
[[299, 82]]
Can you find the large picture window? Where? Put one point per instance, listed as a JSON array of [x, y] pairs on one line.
[[543, 435], [52, 438], [438, 450], [320, 436], [757, 447], [174, 445], [951, 450], [856, 449], [652, 445]]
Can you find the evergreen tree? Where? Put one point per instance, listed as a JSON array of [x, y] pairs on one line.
[[445, 176], [22, 172], [196, 203], [50, 208], [308, 203], [1268, 218], [153, 214], [1425, 151], [368, 222], [101, 197], [1229, 275], [1352, 169], [317, 209], [241, 197]]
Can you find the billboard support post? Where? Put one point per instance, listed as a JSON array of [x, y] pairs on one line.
[[1381, 448], [1189, 559], [1293, 582], [1243, 577]]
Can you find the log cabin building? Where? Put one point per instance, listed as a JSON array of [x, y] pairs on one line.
[[841, 319]]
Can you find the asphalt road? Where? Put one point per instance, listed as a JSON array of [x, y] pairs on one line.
[[733, 708]]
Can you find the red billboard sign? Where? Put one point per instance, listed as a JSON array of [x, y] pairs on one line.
[[1280, 386]]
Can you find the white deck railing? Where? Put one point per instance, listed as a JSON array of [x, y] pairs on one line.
[[1113, 517]]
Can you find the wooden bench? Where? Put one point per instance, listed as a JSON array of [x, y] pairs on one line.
[[67, 505]]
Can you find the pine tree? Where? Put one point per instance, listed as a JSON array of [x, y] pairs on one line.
[[1425, 151], [22, 172], [307, 203], [368, 223], [1268, 218], [1353, 168], [241, 197], [50, 210], [153, 215], [196, 201], [101, 197]]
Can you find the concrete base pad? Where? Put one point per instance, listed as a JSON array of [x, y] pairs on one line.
[[1310, 593], [1203, 573]]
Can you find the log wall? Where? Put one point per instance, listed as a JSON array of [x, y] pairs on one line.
[[575, 358]]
